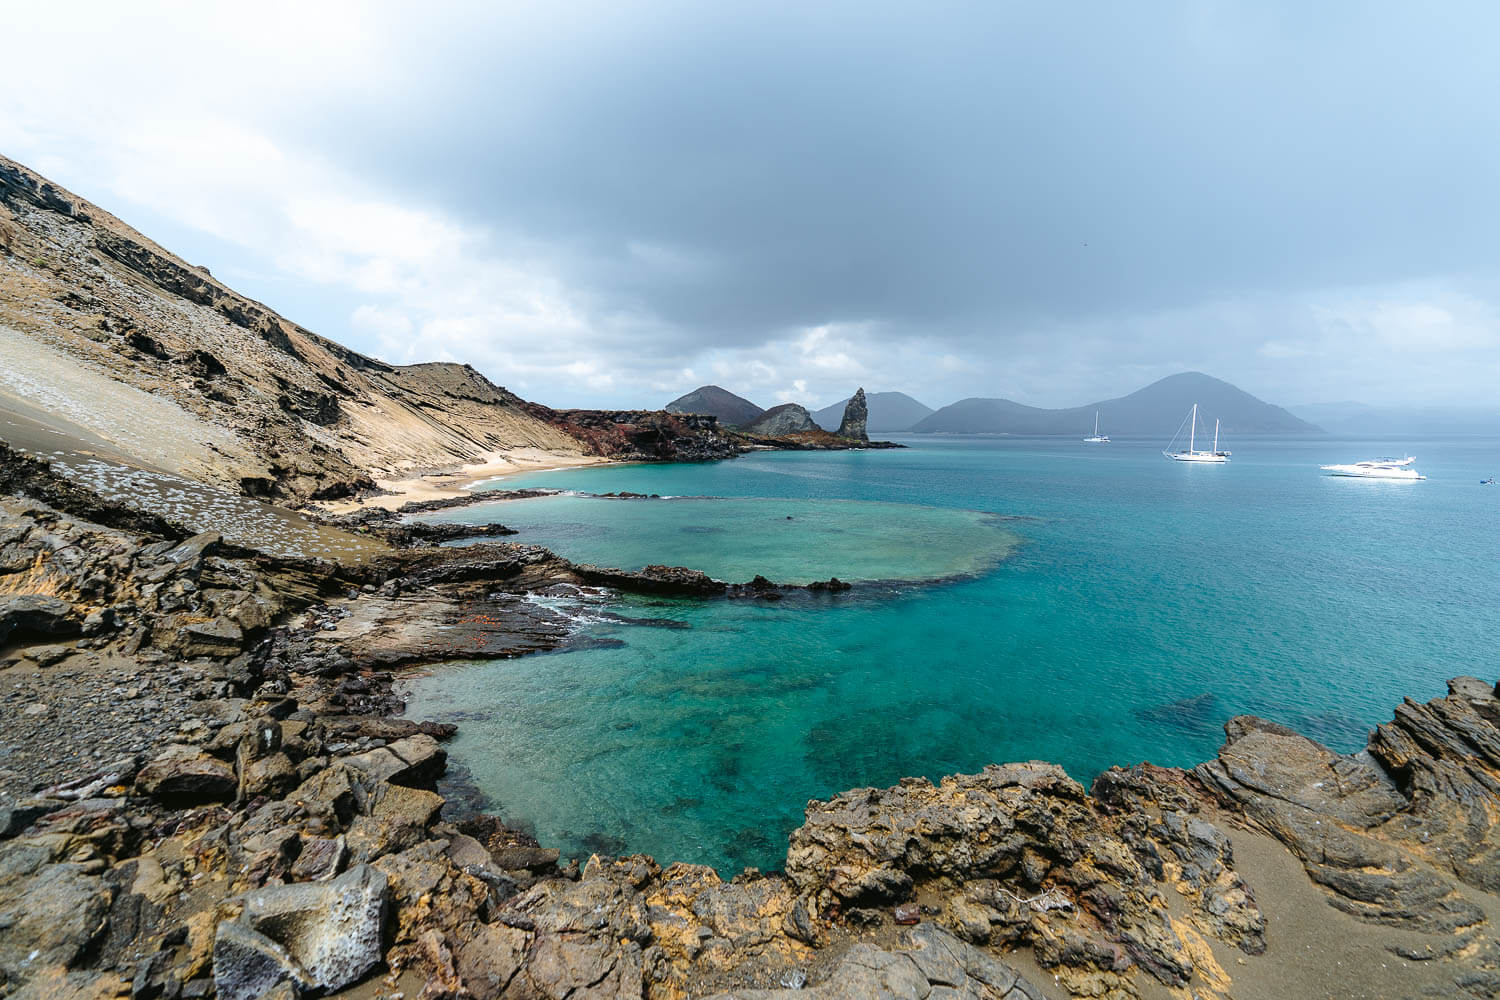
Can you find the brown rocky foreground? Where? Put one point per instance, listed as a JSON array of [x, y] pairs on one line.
[[206, 790]]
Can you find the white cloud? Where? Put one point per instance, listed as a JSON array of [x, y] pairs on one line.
[[194, 114]]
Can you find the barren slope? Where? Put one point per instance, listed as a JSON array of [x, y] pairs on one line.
[[102, 326]]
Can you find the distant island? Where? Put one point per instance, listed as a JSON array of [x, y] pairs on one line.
[[890, 412], [1154, 411]]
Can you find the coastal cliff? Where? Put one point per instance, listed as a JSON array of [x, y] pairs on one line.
[[206, 790], [109, 339]]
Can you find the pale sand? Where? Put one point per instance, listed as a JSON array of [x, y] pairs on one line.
[[458, 482]]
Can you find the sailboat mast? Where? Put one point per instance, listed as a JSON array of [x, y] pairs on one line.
[[1096, 423], [1193, 434], [1216, 436]]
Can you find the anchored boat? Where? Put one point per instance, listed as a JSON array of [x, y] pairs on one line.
[[1379, 468], [1096, 437], [1192, 454]]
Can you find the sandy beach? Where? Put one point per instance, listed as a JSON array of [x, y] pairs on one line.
[[457, 482]]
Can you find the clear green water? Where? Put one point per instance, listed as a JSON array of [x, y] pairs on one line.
[[1145, 603], [785, 540]]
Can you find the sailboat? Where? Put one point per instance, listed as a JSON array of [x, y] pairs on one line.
[[1096, 438], [1192, 454]]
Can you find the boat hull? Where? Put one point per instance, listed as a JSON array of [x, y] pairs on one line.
[[1403, 475], [1198, 457]]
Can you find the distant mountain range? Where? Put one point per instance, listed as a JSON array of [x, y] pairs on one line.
[[1362, 420], [890, 413], [1154, 411]]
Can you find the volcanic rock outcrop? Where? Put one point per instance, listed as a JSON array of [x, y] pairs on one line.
[[252, 819], [856, 414], [778, 421], [206, 788]]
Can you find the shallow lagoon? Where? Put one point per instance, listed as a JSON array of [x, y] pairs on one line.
[[1146, 603], [733, 539]]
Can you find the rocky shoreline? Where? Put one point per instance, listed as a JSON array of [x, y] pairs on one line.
[[206, 790]]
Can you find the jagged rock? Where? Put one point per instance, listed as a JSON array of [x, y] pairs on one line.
[[930, 963], [49, 913], [648, 435], [17, 814], [320, 858], [859, 845], [35, 614], [390, 730], [525, 858], [416, 760], [272, 776], [1352, 825], [489, 961], [856, 415], [432, 944], [184, 775], [217, 637], [429, 892], [324, 935], [414, 807], [250, 966], [370, 838], [588, 938], [1038, 861], [654, 579], [779, 421], [333, 793], [190, 553]]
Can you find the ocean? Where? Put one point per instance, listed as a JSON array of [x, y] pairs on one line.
[[1015, 599]]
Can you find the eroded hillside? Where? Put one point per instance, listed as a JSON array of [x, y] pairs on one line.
[[105, 332]]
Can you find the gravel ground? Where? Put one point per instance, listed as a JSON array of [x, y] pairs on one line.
[[71, 719]]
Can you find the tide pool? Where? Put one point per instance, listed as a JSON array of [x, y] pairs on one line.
[[1144, 604]]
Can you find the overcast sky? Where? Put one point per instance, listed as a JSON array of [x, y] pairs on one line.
[[613, 203]]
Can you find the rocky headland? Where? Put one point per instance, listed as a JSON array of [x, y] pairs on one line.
[[208, 790], [207, 787], [109, 339]]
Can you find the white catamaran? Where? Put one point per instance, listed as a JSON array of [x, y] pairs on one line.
[[1096, 437], [1192, 454]]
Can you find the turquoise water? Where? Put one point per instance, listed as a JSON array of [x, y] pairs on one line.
[[784, 540], [1144, 604]]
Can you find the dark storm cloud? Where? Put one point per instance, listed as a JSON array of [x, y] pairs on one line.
[[956, 169], [608, 204]]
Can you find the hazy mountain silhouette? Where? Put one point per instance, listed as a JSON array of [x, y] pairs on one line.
[[1363, 420], [1155, 411]]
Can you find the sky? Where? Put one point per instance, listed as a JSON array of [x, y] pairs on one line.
[[609, 204]]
